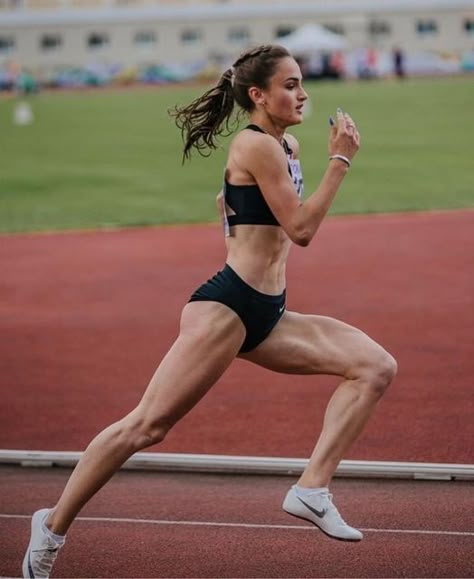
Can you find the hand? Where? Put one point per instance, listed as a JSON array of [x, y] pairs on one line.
[[344, 138]]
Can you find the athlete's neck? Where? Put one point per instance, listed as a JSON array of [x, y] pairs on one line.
[[269, 128]]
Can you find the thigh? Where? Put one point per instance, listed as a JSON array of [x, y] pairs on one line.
[[209, 339], [310, 344]]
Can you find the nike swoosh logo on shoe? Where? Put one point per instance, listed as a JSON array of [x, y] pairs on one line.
[[30, 568], [319, 514]]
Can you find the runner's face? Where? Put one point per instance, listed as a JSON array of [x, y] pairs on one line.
[[285, 96]]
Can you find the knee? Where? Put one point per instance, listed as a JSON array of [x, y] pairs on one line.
[[380, 373], [141, 431], [151, 432]]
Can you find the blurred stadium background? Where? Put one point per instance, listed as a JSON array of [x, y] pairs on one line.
[[96, 42], [103, 158]]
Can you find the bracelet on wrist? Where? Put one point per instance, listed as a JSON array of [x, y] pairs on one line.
[[342, 158]]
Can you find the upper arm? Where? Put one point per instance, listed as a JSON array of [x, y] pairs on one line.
[[266, 161]]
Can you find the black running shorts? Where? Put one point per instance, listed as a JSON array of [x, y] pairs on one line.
[[259, 312]]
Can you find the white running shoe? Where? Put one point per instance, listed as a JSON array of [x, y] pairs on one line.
[[42, 550], [318, 508]]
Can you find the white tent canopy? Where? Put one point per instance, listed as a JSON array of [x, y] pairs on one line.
[[312, 38]]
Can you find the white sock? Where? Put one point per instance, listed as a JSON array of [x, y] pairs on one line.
[[305, 492], [56, 538]]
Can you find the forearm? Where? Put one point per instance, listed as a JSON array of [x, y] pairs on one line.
[[314, 209]]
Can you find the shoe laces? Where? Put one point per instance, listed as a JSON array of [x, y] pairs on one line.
[[45, 557], [335, 514]]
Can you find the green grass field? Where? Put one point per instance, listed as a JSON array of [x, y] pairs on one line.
[[113, 158]]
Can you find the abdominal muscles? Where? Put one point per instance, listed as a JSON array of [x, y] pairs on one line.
[[258, 254]]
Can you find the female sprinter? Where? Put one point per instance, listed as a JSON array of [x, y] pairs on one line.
[[240, 312]]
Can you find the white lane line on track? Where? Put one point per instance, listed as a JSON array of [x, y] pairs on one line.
[[244, 525]]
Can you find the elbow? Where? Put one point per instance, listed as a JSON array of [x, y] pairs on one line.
[[302, 230], [302, 241], [301, 237]]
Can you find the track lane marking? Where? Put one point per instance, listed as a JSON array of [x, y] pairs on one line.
[[243, 525]]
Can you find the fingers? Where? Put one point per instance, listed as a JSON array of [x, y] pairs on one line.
[[346, 120], [347, 125], [340, 116], [357, 138], [344, 136]]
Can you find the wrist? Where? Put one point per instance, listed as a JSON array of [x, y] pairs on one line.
[[338, 166], [340, 159]]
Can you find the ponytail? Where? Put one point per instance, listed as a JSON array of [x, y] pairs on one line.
[[207, 117], [210, 115]]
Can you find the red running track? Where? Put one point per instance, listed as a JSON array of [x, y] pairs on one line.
[[86, 317], [180, 525]]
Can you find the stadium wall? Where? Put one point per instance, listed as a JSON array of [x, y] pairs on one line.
[[43, 34]]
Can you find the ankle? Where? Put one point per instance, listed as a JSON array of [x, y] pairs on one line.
[[306, 492], [53, 527], [313, 482]]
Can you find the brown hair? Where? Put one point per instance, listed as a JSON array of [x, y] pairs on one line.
[[210, 115]]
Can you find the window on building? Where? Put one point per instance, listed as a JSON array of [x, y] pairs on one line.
[[335, 27], [284, 30], [10, 4], [50, 42], [379, 28], [426, 27], [238, 35], [191, 36], [144, 39], [468, 26], [97, 40], [7, 45]]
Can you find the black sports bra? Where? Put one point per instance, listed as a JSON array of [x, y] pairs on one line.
[[245, 204]]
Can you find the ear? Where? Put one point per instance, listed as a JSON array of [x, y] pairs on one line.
[[256, 95]]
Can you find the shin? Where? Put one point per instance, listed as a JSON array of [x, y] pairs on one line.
[[346, 415]]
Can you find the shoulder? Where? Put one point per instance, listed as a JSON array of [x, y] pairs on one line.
[[255, 146], [252, 140], [293, 144]]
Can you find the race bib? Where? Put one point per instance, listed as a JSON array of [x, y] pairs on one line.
[[297, 175]]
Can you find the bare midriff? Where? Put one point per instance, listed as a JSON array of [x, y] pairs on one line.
[[258, 254]]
